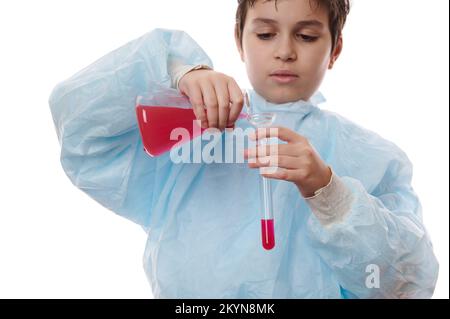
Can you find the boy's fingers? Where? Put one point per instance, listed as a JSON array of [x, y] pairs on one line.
[[279, 173], [262, 151], [223, 99], [210, 100], [272, 149], [196, 99], [237, 101], [288, 162], [282, 133]]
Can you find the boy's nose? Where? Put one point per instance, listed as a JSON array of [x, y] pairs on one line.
[[286, 51]]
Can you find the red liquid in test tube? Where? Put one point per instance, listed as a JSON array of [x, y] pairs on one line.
[[267, 233]]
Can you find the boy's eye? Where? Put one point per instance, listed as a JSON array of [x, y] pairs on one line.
[[308, 38], [265, 36]]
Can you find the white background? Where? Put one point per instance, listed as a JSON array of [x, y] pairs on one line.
[[56, 242]]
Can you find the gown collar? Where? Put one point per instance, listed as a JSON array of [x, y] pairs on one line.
[[301, 107]]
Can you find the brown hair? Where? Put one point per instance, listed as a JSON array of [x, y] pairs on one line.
[[337, 13]]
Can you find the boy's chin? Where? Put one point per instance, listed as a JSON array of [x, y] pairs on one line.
[[282, 95]]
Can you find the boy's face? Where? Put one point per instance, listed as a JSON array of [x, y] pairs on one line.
[[297, 40]]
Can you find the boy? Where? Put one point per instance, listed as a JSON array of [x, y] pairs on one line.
[[348, 223]]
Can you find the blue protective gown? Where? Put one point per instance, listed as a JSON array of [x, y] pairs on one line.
[[203, 220]]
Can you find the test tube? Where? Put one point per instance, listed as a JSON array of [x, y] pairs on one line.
[[267, 220], [263, 120]]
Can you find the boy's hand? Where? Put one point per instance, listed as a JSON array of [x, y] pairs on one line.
[[216, 98], [298, 162]]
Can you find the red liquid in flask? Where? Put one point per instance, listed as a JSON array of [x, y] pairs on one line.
[[157, 122], [268, 233]]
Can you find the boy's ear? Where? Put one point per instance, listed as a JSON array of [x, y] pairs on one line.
[[238, 43], [336, 52]]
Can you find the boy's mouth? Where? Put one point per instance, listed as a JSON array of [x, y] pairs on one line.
[[283, 76], [283, 72]]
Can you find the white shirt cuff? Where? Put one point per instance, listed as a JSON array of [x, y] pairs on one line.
[[177, 69], [331, 203]]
